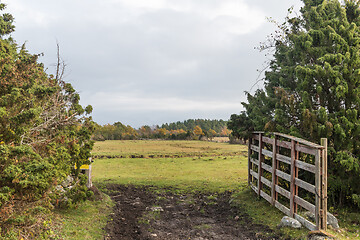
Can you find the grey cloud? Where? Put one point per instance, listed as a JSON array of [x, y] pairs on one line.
[[154, 53]]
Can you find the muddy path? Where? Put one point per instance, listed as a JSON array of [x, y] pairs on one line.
[[141, 213]]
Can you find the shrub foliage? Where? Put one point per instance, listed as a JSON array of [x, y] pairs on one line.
[[44, 131], [312, 89]]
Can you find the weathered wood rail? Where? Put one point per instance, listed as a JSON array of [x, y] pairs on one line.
[[274, 163]]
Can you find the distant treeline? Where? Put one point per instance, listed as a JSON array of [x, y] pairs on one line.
[[190, 124], [188, 129]]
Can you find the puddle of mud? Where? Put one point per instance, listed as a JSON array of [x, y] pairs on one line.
[[141, 213]]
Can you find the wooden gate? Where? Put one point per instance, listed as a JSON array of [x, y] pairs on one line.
[[278, 165]]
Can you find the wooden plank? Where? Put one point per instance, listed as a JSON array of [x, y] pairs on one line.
[[283, 175], [267, 140], [253, 187], [282, 191], [305, 166], [317, 188], [324, 183], [277, 177], [266, 167], [305, 204], [307, 186], [254, 174], [254, 148], [273, 175], [283, 158], [284, 144], [267, 153], [305, 149], [254, 161], [265, 196], [266, 182], [282, 208], [260, 170], [297, 176], [258, 132], [292, 178], [309, 225], [300, 140]]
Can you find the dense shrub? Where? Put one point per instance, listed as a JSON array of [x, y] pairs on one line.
[[44, 131]]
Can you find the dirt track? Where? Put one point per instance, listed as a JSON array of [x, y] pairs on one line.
[[143, 214]]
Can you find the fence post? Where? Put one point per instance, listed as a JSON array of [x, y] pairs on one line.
[[249, 161], [274, 167], [292, 179], [296, 176], [317, 189], [260, 164], [324, 184]]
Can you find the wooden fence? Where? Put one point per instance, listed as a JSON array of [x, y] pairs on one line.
[[276, 164]]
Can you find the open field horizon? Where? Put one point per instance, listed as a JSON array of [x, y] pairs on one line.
[[196, 164]]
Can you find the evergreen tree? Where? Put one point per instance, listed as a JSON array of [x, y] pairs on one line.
[[240, 125], [312, 89]]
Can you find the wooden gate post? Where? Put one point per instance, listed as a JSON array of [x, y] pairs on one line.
[[324, 184], [292, 179], [318, 189], [274, 167], [260, 164], [249, 160]]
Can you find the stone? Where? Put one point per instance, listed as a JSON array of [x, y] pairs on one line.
[[320, 235], [157, 209], [289, 222], [331, 219], [67, 182], [59, 189], [317, 237], [310, 216]]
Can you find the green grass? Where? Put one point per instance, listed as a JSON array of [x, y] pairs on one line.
[[208, 173], [85, 222], [213, 166], [349, 222], [160, 148]]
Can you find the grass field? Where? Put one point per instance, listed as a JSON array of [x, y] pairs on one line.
[[213, 166], [161, 148], [189, 166]]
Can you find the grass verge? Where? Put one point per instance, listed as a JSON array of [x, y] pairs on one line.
[[87, 221]]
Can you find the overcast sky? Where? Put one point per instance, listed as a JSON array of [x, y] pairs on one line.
[[148, 62]]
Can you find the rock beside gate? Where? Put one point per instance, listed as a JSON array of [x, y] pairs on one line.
[[289, 222], [319, 235], [331, 219]]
